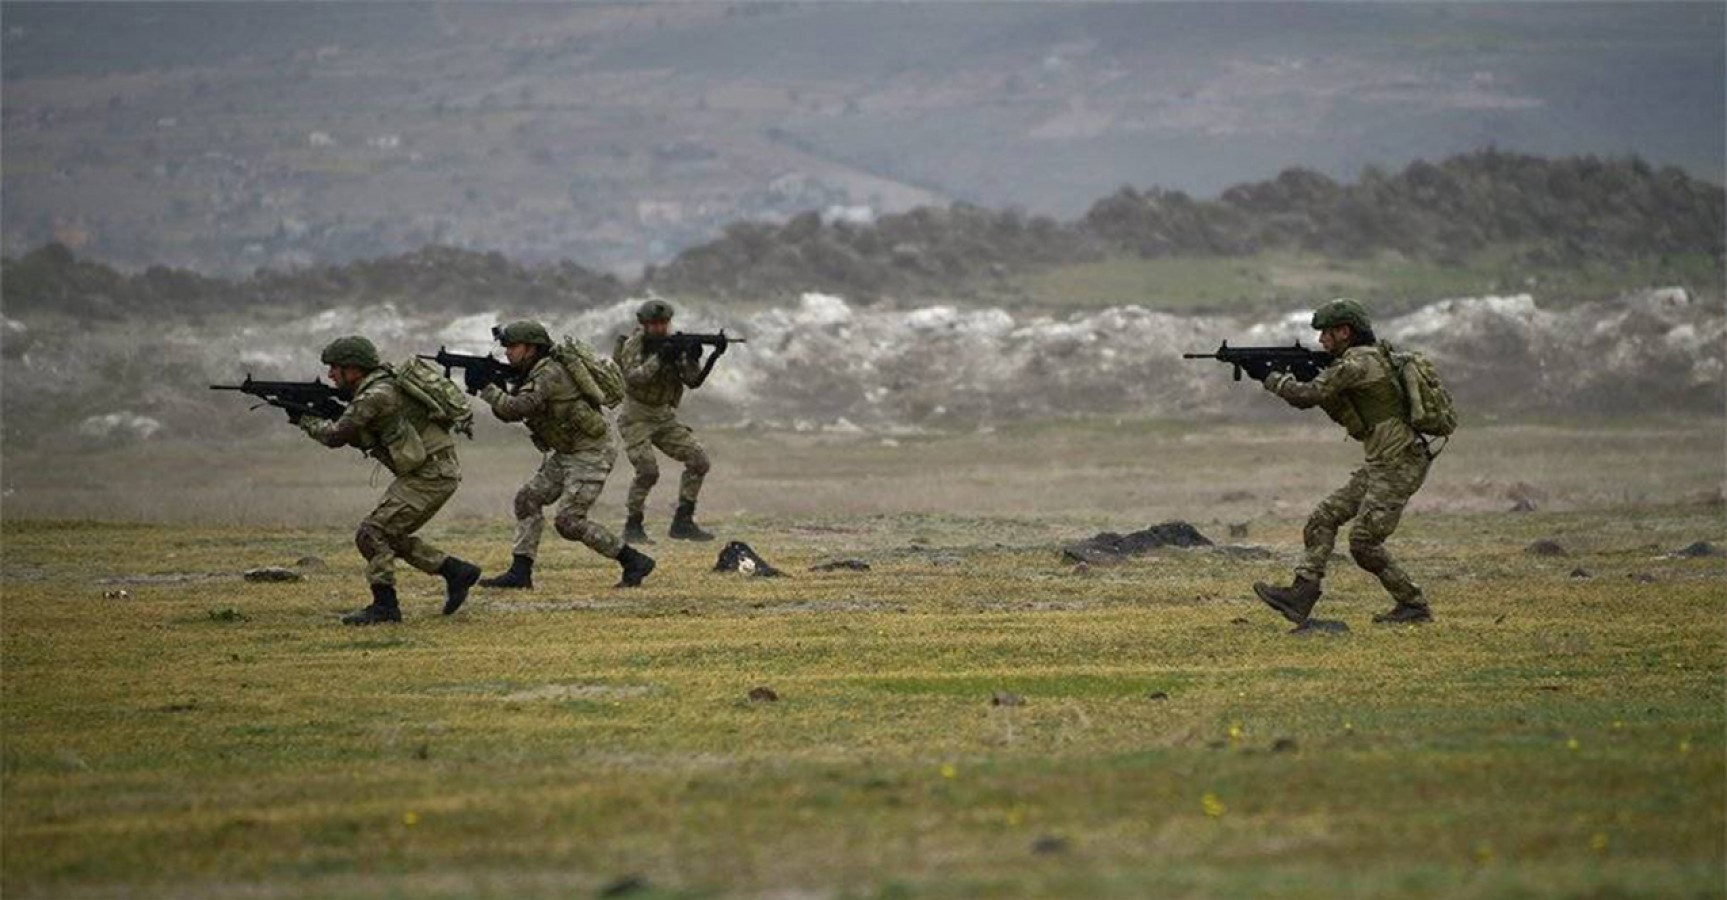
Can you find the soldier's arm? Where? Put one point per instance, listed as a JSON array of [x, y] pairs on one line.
[[691, 372], [526, 401], [1327, 385], [365, 409], [640, 368]]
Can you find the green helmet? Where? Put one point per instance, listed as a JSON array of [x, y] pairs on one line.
[[525, 331], [1342, 311], [654, 309], [352, 350]]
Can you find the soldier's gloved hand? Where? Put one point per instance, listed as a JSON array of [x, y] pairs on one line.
[[474, 380], [491, 392], [720, 347], [693, 352], [1256, 369], [1275, 381], [295, 415]]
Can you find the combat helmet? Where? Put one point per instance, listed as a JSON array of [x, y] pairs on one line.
[[1342, 311], [525, 331], [352, 350], [654, 309]]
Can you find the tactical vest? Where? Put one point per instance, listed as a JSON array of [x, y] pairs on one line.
[[567, 420], [666, 388], [404, 436], [1377, 398]]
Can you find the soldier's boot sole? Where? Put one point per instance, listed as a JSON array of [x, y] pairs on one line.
[[372, 615], [508, 580], [687, 531], [1404, 615]]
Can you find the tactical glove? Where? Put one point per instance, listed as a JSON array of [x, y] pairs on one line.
[[474, 380]]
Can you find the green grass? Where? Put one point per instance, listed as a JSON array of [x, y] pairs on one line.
[[1547, 737]]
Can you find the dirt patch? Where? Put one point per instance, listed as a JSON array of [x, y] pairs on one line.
[[1108, 546]]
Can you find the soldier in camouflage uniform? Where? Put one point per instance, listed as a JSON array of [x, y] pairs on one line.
[[577, 442], [1360, 392], [397, 431], [653, 385]]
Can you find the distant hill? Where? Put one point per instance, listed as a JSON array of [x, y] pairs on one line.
[[1526, 213]]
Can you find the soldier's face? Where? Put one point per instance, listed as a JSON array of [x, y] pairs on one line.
[[343, 378], [515, 353], [1336, 338], [658, 327]]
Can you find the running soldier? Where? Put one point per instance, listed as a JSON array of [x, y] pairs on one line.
[[398, 431], [654, 382], [569, 428]]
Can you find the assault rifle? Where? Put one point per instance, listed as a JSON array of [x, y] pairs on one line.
[[681, 344], [476, 370], [1259, 362], [299, 398]]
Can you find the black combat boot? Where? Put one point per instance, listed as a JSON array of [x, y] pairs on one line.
[[459, 575], [520, 574], [636, 565], [1294, 602], [684, 527], [634, 533], [383, 608], [1405, 614]]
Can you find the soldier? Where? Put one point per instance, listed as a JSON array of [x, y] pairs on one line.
[[1360, 392], [397, 431], [653, 384], [577, 442]]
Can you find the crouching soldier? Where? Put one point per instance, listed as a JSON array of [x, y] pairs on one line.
[[654, 383], [398, 431], [1360, 391], [577, 442]]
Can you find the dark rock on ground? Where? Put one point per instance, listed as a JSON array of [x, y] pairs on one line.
[[1108, 546], [854, 565], [1642, 577], [315, 563], [1546, 547], [763, 695], [1157, 695], [1698, 551], [1581, 572], [1283, 745], [732, 559], [1320, 626], [625, 886], [272, 573], [1049, 844], [1523, 505], [1238, 529], [1003, 698]]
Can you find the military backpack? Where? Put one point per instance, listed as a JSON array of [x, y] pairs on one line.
[[444, 402], [1431, 411], [598, 378]]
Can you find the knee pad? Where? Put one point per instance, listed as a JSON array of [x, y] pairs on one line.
[[571, 528], [1369, 555], [527, 505], [370, 540], [647, 472], [698, 463]]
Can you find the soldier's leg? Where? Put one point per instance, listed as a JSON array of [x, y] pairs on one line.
[[1320, 534], [1389, 488], [584, 476], [530, 504], [640, 450], [676, 440], [409, 503]]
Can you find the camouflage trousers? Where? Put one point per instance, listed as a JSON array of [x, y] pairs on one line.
[[409, 502], [647, 428], [578, 478], [1374, 497]]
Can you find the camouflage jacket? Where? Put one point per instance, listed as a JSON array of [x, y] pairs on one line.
[[556, 413], [1360, 392], [649, 380], [385, 424]]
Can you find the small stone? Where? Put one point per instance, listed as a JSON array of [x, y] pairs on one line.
[[763, 695], [1523, 505], [311, 563], [423, 751], [1581, 572], [1283, 745], [624, 886], [1157, 695], [1697, 551], [1545, 547], [1049, 845], [1642, 577], [1239, 621], [272, 573], [1238, 529], [1320, 626], [1003, 698], [117, 595]]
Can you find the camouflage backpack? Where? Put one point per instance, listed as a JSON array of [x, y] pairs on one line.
[[443, 400], [598, 378], [1431, 411]]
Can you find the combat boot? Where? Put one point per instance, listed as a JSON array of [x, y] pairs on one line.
[[1294, 602], [383, 609], [636, 566], [684, 527], [634, 532], [459, 576], [1405, 614], [520, 574]]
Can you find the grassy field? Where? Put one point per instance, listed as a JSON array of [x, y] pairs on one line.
[[1550, 735]]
